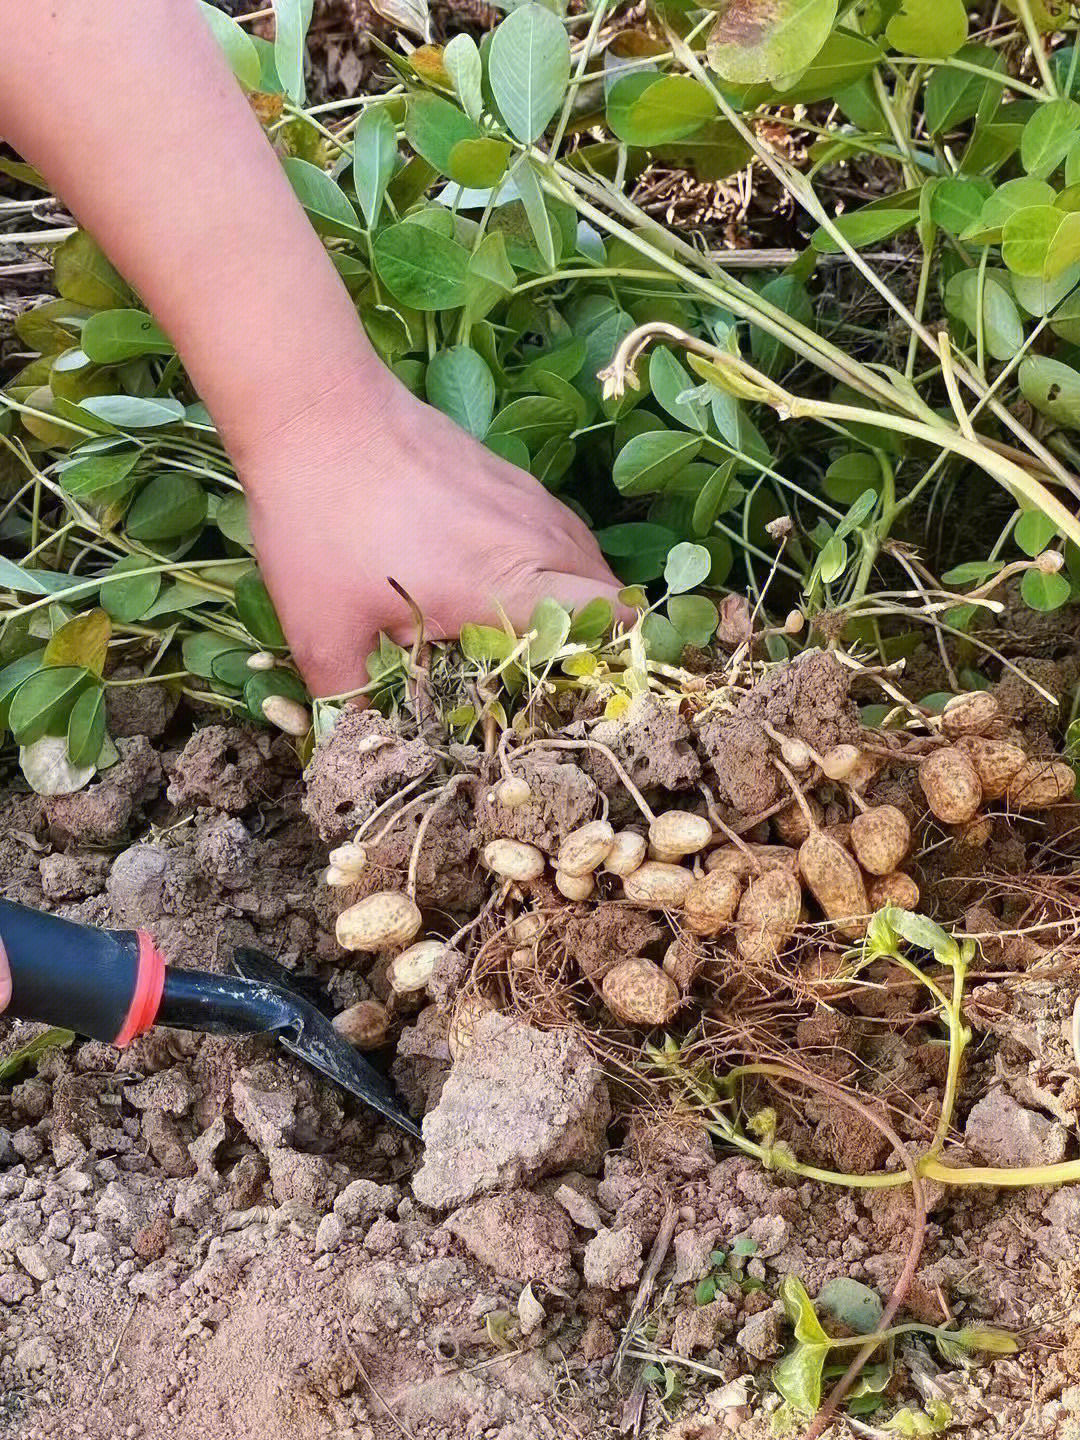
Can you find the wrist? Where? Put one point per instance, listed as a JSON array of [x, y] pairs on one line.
[[337, 421]]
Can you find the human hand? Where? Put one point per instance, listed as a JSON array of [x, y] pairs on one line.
[[370, 483]]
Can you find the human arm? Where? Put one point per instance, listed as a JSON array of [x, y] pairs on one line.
[[134, 118]]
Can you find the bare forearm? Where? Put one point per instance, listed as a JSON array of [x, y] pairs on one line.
[[134, 118]]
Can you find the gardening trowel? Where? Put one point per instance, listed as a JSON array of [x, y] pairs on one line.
[[113, 985]]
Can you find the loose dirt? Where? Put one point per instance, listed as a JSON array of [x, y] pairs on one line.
[[199, 1239]]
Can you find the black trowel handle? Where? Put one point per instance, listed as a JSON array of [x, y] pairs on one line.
[[104, 984]]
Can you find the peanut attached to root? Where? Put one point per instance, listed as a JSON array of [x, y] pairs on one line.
[[627, 853], [584, 850], [364, 1025], [287, 715], [575, 887], [639, 993], [410, 971], [1039, 784], [513, 792], [880, 838], [657, 886], [995, 761], [971, 714], [514, 859], [895, 889], [950, 782], [711, 902], [676, 833], [383, 921], [767, 915]]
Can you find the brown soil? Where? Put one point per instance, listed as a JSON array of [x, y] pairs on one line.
[[200, 1240]]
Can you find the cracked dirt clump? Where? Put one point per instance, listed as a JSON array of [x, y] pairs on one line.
[[563, 798], [491, 1131], [361, 763], [653, 743], [601, 938], [809, 698], [143, 709], [739, 754], [105, 810], [221, 766]]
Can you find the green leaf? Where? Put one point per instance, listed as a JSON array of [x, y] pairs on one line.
[[766, 40], [1033, 532], [199, 651], [485, 645], [853, 1304], [925, 933], [928, 27], [256, 611], [532, 198], [44, 701], [533, 419], [169, 505], [81, 641], [647, 109], [129, 600], [688, 566], [113, 336], [1006, 200], [1026, 237], [551, 622], [86, 727], [711, 153], [231, 518], [1049, 136], [53, 1039], [434, 127], [952, 96], [12, 676], [863, 227], [1052, 387], [662, 641], [932, 1421], [861, 507], [832, 562], [374, 157], [104, 478], [131, 412], [849, 476], [647, 461], [464, 66], [1003, 331], [956, 203], [694, 616], [84, 276], [231, 668], [510, 448], [291, 21], [236, 45], [1044, 592], [420, 268], [261, 684], [712, 498], [669, 383], [591, 623], [479, 163], [528, 70], [327, 206], [639, 549], [459, 384], [798, 1377]]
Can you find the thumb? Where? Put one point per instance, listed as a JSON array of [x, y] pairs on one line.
[[575, 591]]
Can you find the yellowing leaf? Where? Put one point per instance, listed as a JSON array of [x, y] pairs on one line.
[[757, 41], [83, 641]]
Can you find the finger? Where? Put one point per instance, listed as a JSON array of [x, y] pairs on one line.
[[5, 979], [575, 592]]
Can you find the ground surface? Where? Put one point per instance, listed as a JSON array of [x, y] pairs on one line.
[[197, 1240]]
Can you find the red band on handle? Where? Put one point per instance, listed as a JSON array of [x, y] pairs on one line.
[[146, 997]]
